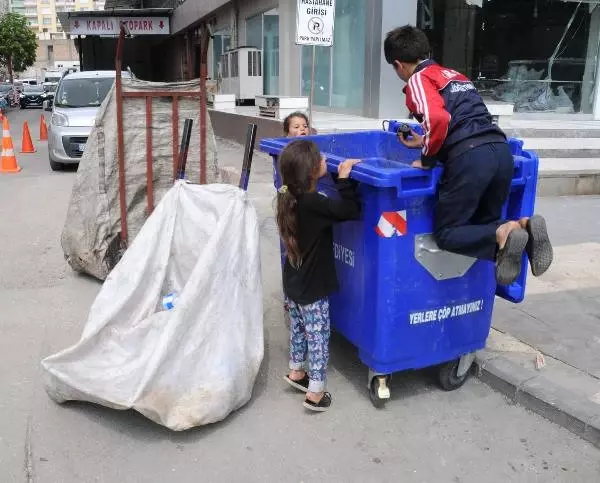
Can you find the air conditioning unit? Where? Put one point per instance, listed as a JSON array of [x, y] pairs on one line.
[[241, 73]]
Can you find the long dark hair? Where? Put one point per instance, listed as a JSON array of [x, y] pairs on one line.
[[299, 167]]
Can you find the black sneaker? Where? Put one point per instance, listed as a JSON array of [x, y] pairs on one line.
[[321, 406], [510, 259], [539, 249], [301, 384]]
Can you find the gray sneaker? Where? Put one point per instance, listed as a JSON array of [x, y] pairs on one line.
[[539, 249], [509, 261]]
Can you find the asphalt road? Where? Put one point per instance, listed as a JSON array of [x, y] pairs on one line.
[[423, 435]]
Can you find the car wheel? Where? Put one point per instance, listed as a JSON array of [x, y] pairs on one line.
[[22, 106], [56, 166]]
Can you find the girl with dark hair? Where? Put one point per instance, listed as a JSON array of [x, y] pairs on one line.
[[294, 125], [297, 124], [305, 219]]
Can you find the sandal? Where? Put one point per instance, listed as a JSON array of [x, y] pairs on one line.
[[321, 406], [300, 384]]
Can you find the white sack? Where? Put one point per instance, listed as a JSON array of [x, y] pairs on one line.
[[196, 363], [90, 237]]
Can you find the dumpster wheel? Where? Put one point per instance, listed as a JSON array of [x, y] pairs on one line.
[[379, 390], [448, 375]]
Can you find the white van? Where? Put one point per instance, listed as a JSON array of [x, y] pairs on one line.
[[76, 102]]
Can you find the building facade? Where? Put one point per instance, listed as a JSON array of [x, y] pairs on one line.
[[350, 77], [541, 56], [42, 14]]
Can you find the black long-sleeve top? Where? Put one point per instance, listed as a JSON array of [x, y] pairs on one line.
[[316, 214]]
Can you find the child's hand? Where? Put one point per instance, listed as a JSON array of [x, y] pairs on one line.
[[415, 142], [345, 168]]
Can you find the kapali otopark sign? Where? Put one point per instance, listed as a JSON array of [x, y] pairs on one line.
[[112, 25]]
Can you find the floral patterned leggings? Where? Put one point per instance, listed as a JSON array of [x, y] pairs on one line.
[[309, 341]]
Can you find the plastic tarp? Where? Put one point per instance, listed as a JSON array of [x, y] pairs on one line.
[[530, 93], [90, 238], [197, 362]]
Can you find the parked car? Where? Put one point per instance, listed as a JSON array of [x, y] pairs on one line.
[[74, 109], [32, 96], [5, 90], [50, 89]]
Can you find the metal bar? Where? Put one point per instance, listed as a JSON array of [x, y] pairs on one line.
[[188, 51], [312, 89], [248, 154], [205, 40], [149, 161], [175, 107], [162, 93], [183, 150], [81, 68], [120, 138], [203, 112]]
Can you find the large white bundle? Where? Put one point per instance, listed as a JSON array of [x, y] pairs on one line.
[[193, 364], [90, 237]]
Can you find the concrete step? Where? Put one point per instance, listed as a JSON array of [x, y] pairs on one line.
[[569, 176], [553, 132], [564, 147]]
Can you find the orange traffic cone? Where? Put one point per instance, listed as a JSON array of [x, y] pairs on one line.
[[43, 129], [27, 144], [8, 162]]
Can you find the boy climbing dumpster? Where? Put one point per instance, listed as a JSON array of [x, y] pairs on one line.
[[403, 302]]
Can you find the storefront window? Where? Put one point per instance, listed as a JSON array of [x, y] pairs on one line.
[[322, 88], [539, 55], [339, 70], [271, 52], [220, 43], [262, 31], [254, 31]]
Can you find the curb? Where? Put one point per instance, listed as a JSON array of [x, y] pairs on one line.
[[568, 183], [531, 390]]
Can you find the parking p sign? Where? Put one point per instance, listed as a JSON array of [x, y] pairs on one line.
[[314, 22]]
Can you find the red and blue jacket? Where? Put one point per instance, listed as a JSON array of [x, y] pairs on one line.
[[450, 110]]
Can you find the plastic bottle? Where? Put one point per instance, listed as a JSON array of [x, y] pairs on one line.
[[169, 301]]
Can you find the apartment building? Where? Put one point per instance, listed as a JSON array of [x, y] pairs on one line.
[[55, 47], [42, 14]]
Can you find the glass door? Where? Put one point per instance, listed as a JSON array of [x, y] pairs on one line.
[[262, 32], [220, 44], [271, 52]]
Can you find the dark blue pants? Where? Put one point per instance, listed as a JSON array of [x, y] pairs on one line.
[[471, 194]]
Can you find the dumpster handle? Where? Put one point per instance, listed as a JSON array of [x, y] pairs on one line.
[[430, 190]]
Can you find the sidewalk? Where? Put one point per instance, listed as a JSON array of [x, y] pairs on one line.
[[559, 318]]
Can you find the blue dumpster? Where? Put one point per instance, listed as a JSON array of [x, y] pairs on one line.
[[403, 302]]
